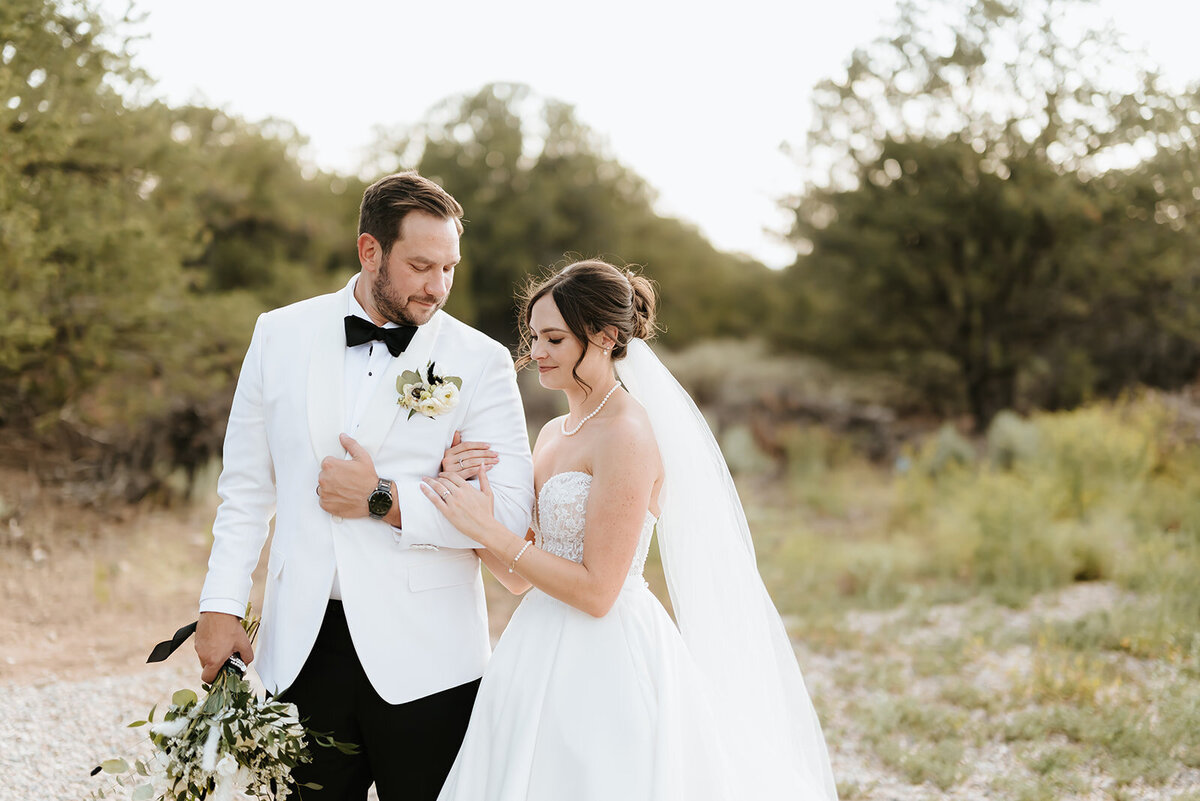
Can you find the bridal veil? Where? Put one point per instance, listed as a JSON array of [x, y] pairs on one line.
[[726, 617]]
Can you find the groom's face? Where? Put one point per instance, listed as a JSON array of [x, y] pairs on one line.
[[414, 281]]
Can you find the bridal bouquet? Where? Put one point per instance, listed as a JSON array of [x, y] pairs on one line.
[[230, 744]]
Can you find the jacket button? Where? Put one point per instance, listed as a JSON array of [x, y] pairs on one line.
[[337, 519]]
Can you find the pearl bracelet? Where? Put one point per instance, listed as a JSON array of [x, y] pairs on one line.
[[520, 553]]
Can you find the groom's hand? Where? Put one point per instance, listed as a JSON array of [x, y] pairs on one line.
[[345, 484], [218, 637]]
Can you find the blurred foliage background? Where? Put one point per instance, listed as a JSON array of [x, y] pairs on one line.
[[140, 241], [1001, 218]]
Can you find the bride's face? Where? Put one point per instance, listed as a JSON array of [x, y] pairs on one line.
[[555, 348]]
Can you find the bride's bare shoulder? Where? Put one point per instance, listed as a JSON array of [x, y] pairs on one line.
[[629, 435], [547, 433]]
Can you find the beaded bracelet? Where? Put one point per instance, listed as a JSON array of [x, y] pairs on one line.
[[520, 553]]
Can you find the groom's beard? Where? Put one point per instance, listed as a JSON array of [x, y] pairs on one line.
[[399, 313]]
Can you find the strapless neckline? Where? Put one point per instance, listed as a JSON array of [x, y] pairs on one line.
[[560, 520], [563, 473]]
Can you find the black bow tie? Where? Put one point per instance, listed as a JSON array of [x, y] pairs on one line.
[[360, 331]]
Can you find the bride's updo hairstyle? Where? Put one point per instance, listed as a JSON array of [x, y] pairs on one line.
[[592, 296]]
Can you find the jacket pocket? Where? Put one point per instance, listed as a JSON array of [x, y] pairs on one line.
[[443, 573], [275, 564]]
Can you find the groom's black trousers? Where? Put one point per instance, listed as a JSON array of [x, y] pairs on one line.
[[405, 749]]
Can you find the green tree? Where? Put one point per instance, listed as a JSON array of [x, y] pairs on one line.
[[268, 226], [137, 245], [947, 273], [89, 263], [997, 223], [538, 187]]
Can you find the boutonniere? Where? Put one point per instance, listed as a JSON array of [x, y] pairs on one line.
[[430, 394]]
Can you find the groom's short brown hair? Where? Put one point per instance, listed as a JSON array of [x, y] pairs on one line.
[[386, 202]]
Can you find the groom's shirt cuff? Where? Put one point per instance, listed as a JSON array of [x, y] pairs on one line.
[[226, 605]]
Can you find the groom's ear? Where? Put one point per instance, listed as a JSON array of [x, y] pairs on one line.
[[370, 253]]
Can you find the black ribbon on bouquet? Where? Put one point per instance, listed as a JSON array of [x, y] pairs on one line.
[[168, 647]]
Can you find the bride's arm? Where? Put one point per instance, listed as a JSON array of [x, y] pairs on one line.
[[624, 471], [510, 581]]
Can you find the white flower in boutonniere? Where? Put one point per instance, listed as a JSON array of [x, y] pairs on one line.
[[430, 394]]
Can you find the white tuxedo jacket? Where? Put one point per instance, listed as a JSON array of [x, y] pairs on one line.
[[416, 614]]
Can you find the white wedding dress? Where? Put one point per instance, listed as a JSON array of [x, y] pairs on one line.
[[629, 707], [578, 708]]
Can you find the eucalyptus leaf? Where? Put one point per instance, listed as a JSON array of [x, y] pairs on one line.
[[115, 766], [182, 698], [143, 793]]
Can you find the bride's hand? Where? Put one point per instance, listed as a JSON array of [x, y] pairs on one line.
[[468, 459], [468, 509]]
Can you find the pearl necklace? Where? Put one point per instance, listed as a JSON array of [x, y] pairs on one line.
[[575, 430]]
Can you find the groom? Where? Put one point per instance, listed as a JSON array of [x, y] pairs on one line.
[[374, 621]]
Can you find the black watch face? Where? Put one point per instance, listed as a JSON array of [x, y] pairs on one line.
[[380, 503]]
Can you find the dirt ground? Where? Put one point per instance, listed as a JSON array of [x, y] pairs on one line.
[[88, 592]]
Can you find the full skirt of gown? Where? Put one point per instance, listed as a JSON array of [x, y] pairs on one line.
[[578, 708]]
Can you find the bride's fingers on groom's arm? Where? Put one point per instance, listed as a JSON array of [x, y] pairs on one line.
[[484, 460], [485, 486], [462, 458], [471, 466], [465, 455], [453, 479], [459, 481], [437, 500], [435, 490]]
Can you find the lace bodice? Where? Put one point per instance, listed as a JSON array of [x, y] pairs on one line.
[[561, 516]]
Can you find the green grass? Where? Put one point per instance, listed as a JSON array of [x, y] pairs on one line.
[[958, 544], [1106, 493]]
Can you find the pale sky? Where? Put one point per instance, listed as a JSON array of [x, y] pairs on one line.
[[696, 97]]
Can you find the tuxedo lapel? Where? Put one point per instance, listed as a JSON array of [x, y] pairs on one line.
[[326, 381], [383, 408]]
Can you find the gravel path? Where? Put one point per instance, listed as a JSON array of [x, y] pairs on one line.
[[54, 732], [55, 728]]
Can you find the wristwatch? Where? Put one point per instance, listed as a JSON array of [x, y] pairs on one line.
[[380, 501]]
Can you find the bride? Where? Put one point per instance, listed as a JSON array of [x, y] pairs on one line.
[[592, 692]]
